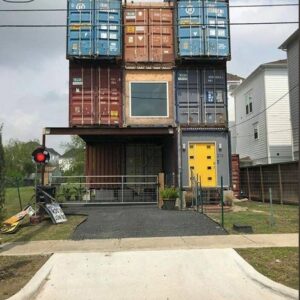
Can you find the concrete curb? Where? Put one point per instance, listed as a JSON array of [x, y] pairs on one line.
[[35, 284], [264, 281]]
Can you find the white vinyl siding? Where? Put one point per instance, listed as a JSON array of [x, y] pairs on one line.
[[278, 116], [245, 144], [293, 67]]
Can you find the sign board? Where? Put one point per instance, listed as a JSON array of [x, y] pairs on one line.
[[55, 212]]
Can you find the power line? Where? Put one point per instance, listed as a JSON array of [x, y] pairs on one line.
[[149, 7], [282, 97], [145, 25], [277, 131]]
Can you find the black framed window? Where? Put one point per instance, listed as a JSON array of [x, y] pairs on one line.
[[149, 99]]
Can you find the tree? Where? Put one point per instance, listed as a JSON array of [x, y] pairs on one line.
[[2, 173], [75, 156], [18, 159]]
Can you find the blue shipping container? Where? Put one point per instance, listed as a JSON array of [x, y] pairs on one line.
[[216, 29], [201, 97], [203, 28], [94, 29], [80, 30], [108, 28]]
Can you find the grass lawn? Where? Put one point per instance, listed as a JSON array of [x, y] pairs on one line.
[[44, 231], [257, 215], [279, 264], [16, 271]]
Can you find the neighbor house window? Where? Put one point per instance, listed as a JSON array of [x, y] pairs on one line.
[[248, 102], [255, 131], [149, 99]]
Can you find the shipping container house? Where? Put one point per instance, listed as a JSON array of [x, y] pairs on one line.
[[149, 99], [148, 33], [95, 95], [94, 29], [206, 154], [203, 29], [201, 96]]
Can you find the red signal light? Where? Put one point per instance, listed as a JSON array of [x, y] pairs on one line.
[[40, 156]]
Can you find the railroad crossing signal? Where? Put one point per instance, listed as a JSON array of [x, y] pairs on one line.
[[41, 155]]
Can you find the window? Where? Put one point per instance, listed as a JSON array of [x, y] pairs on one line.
[[255, 131], [248, 102], [149, 99]]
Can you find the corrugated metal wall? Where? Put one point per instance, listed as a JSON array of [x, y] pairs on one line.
[[201, 97], [148, 33], [95, 94], [94, 29], [203, 29]]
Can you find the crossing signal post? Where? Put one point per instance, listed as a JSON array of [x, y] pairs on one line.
[[40, 156]]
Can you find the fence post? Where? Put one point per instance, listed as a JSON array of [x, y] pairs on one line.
[[122, 188], [262, 184], [161, 186], [201, 199], [280, 185], [272, 220], [222, 203], [248, 181], [197, 191]]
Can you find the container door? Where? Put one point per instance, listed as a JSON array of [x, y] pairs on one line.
[[216, 29], [80, 35], [214, 90], [136, 35], [202, 162], [161, 46], [82, 96], [108, 107], [189, 96], [190, 20], [108, 28]]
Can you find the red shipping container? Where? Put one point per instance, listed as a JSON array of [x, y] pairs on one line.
[[149, 33], [95, 95], [236, 182]]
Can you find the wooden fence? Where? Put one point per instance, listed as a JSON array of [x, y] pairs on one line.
[[282, 178]]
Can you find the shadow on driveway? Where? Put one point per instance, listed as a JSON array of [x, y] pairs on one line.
[[141, 221]]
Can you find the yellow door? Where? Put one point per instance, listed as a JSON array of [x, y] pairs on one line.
[[202, 162]]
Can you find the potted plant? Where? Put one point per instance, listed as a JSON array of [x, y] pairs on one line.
[[169, 195]]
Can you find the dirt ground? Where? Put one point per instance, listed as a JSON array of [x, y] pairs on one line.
[[16, 271]]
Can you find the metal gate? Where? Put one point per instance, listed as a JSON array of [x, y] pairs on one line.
[[139, 189]]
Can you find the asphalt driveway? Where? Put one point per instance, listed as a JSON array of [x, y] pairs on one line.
[[141, 221]]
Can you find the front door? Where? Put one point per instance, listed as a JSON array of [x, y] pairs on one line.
[[202, 162]]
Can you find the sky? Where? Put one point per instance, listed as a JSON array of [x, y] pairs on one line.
[[34, 69]]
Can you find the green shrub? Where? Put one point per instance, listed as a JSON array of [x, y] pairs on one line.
[[169, 193]]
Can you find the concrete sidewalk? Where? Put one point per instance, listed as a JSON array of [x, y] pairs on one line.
[[158, 243], [208, 274]]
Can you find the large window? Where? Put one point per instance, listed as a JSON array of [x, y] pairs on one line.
[[149, 99]]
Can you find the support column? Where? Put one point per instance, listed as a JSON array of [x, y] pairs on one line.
[[280, 185], [262, 184]]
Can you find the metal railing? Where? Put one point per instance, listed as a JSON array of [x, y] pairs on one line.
[[204, 199], [106, 189]]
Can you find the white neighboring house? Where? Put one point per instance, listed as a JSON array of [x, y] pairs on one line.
[[263, 126], [233, 81], [291, 45], [65, 161], [54, 156]]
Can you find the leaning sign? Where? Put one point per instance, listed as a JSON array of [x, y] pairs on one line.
[[55, 212]]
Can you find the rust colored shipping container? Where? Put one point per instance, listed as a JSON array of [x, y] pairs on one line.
[[149, 99], [148, 34], [95, 95], [235, 168], [104, 159]]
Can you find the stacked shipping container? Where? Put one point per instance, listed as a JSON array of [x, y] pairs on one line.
[[171, 72]]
